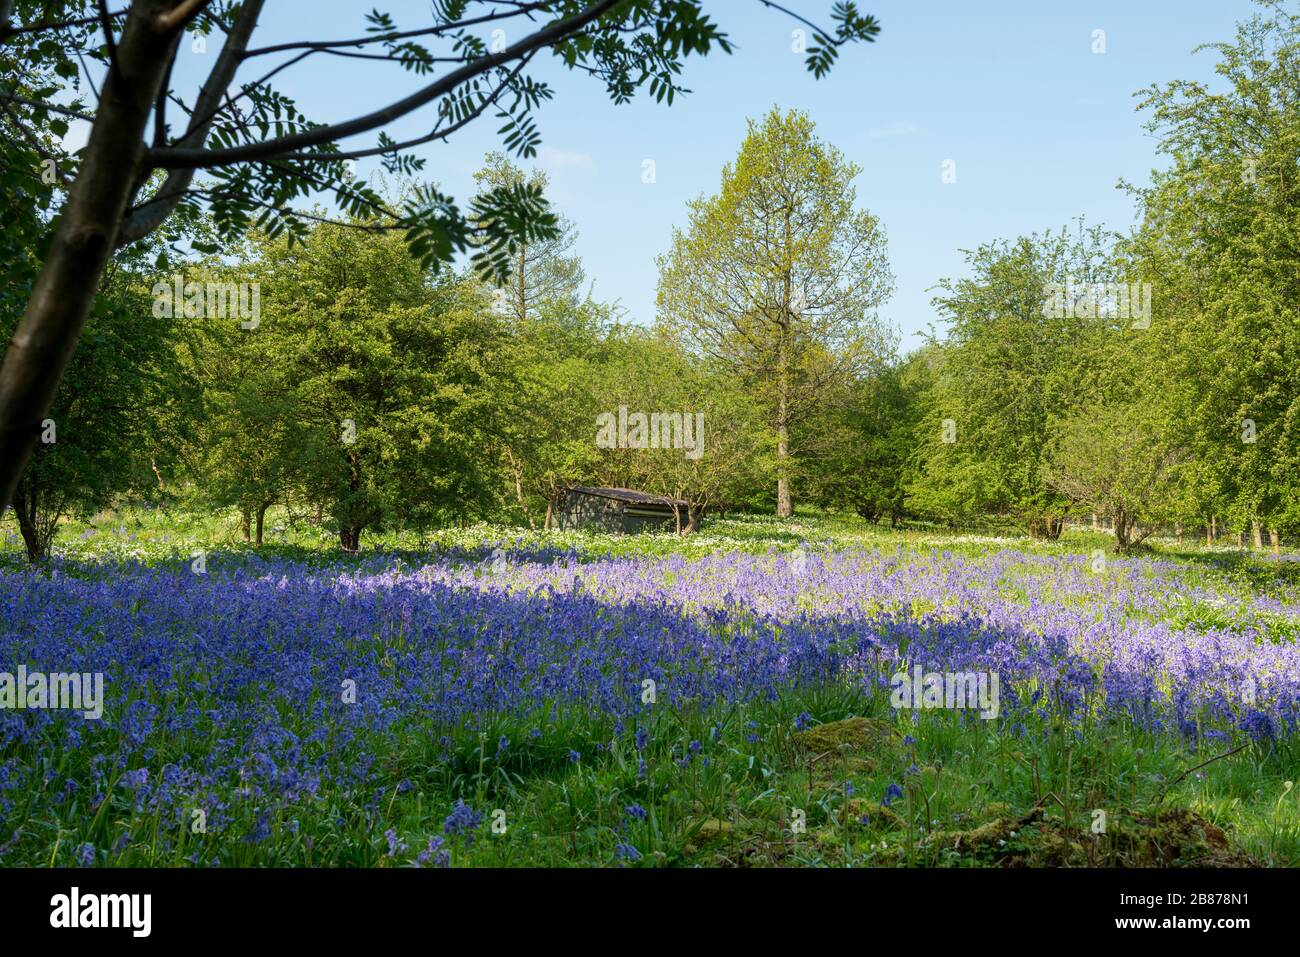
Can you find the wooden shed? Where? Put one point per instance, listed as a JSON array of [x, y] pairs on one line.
[[619, 510]]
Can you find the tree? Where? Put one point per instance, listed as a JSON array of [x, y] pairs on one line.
[[107, 427], [872, 435], [387, 378], [1217, 240], [252, 445], [554, 369], [541, 273], [694, 433], [1021, 352], [1116, 459], [778, 276], [263, 154]]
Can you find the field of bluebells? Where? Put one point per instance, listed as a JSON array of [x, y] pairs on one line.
[[496, 698]]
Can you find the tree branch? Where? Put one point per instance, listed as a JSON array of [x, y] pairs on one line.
[[279, 146], [151, 214], [6, 31], [526, 9], [180, 15]]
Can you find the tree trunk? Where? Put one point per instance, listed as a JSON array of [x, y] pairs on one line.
[[87, 232], [26, 511], [1125, 531], [1046, 526], [1257, 534], [1094, 521], [783, 506], [519, 489], [246, 524], [693, 518], [1276, 542], [261, 519]]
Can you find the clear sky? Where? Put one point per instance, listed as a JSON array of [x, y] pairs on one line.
[[1040, 127]]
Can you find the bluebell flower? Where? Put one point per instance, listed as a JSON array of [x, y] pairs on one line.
[[394, 845], [462, 820]]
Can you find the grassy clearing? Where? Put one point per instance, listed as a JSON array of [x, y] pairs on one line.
[[817, 776]]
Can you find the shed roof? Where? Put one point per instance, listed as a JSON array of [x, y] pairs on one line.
[[630, 495]]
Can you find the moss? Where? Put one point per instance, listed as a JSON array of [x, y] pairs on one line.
[[1173, 837], [712, 830], [851, 735]]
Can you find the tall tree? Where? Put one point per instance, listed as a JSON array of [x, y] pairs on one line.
[[778, 276], [543, 272]]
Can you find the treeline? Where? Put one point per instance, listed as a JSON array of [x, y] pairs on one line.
[[1152, 378], [1148, 378]]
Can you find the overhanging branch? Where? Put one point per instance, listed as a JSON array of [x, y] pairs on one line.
[[174, 158]]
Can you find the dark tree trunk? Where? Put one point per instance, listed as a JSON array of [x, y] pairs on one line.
[[86, 236], [25, 508], [350, 537], [261, 521]]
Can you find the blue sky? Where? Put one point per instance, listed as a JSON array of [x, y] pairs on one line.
[[1039, 126]]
